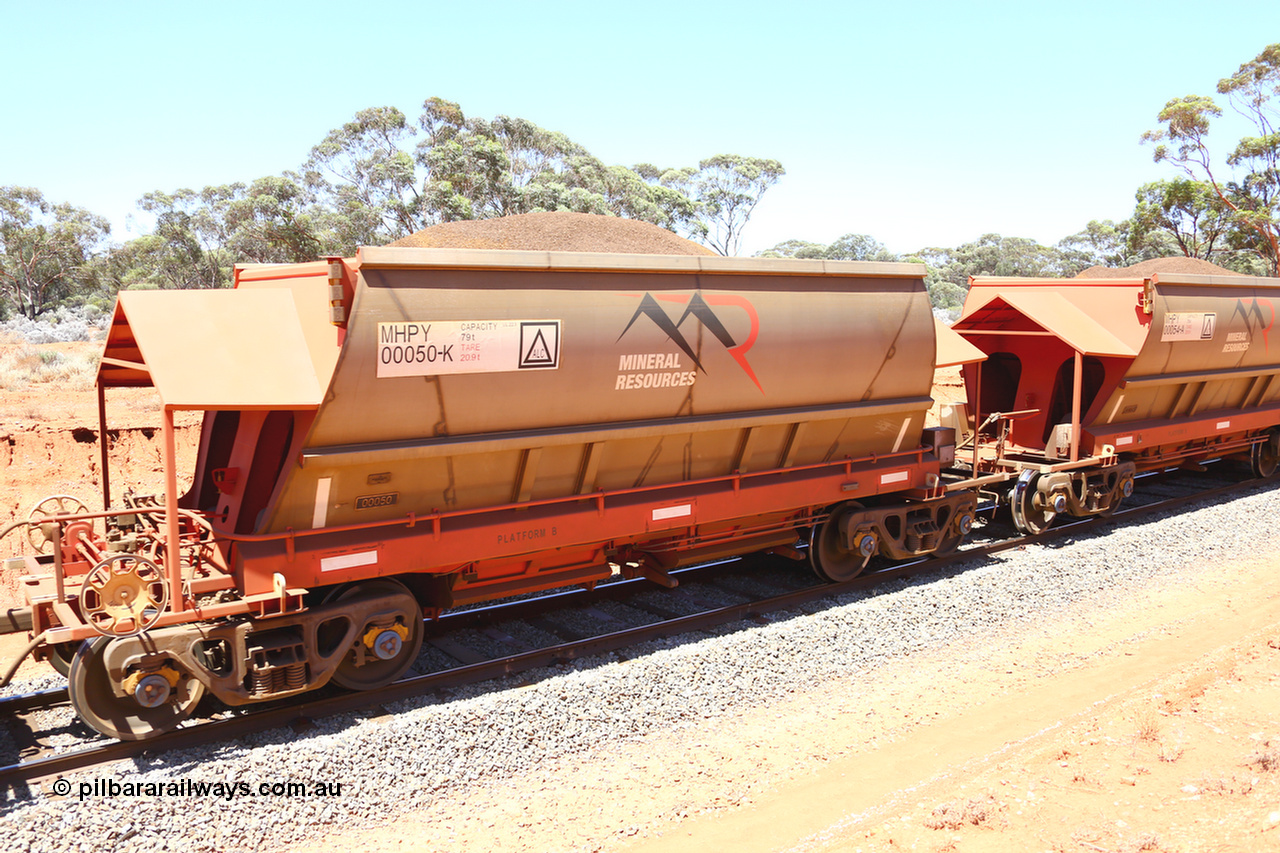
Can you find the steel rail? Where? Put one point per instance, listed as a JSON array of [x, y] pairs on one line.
[[262, 719], [36, 700]]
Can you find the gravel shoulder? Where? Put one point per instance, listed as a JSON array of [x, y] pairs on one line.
[[1135, 719], [1151, 726]]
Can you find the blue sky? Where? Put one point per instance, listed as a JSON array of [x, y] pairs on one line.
[[921, 124]]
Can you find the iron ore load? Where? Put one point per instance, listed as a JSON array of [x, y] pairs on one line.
[[392, 435]]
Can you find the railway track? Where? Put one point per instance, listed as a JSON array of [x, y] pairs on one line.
[[453, 641]]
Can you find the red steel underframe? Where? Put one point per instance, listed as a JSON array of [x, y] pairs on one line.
[[1154, 443], [457, 539], [1232, 428], [276, 568]]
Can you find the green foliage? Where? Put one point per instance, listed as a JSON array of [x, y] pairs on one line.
[[363, 182], [468, 171], [269, 222], [1188, 212], [1106, 243], [1251, 193], [46, 250], [946, 296], [858, 247], [670, 192], [727, 188], [947, 278], [1101, 243], [200, 236], [372, 190], [992, 254], [507, 166], [850, 247], [950, 269], [380, 177], [795, 249], [373, 180]]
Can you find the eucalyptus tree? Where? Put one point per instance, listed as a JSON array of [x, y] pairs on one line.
[[1250, 188], [46, 249], [727, 188], [850, 247], [190, 249], [795, 248], [670, 190], [378, 178], [475, 168], [200, 235], [363, 178], [1189, 213]]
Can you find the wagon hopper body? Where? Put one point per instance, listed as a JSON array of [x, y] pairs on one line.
[[413, 429], [1087, 382], [509, 389]]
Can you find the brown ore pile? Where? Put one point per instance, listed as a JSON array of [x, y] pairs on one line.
[[1177, 264], [555, 232]]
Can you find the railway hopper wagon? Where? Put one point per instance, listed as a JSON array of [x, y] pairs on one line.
[[392, 435], [1087, 382]]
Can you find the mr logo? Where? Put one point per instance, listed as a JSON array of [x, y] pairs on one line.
[[699, 307], [1256, 318]]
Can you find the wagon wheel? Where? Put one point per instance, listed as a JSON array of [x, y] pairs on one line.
[[1264, 458], [41, 535], [389, 654], [1029, 515], [154, 706], [829, 557], [958, 530]]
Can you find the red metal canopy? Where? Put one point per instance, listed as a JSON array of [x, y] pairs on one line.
[[211, 349], [953, 349], [1052, 313]]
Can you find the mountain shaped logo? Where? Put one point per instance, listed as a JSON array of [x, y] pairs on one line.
[[699, 308]]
